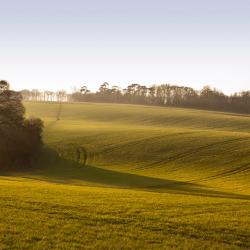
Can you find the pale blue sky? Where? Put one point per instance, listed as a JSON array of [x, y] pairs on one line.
[[58, 44]]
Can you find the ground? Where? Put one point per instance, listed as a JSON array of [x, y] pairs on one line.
[[156, 178]]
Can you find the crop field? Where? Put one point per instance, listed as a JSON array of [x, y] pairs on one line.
[[155, 178]]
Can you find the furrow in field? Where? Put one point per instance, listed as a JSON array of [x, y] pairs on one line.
[[187, 153], [243, 168], [145, 141]]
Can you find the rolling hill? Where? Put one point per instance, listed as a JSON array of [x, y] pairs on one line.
[[155, 178]]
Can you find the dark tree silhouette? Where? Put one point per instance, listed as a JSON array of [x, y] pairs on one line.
[[21, 138]]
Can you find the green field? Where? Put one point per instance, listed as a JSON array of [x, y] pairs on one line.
[[156, 178]]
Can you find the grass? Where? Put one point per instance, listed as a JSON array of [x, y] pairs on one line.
[[157, 178], [42, 215]]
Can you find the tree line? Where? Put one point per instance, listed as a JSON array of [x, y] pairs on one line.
[[20, 138], [44, 96], [160, 95]]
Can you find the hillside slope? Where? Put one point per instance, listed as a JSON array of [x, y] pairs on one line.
[[156, 178], [198, 147]]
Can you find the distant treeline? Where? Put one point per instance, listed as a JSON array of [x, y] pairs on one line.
[[160, 95]]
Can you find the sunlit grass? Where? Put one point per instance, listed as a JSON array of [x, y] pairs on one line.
[[204, 147], [156, 178], [42, 215]]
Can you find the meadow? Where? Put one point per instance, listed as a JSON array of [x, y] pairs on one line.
[[156, 178]]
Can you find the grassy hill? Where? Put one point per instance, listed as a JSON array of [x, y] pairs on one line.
[[201, 147], [155, 178]]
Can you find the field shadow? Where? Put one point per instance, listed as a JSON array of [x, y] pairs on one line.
[[53, 168]]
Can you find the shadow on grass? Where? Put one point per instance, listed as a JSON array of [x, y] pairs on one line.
[[53, 168]]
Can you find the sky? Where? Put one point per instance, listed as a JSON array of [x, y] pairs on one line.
[[63, 44]]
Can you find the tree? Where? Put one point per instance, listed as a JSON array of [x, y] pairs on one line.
[[21, 138], [104, 87], [26, 94], [4, 85], [84, 90]]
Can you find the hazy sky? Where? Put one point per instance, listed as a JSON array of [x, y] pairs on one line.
[[58, 44]]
